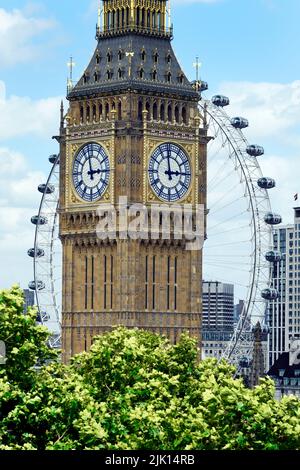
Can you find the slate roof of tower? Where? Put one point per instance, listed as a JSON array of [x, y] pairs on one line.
[[136, 43]]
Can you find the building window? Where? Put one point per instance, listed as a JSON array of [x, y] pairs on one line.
[[175, 282], [111, 281], [105, 282], [86, 284], [153, 281], [92, 284], [146, 282], [155, 111], [168, 281]]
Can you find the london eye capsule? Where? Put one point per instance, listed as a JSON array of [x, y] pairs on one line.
[[255, 150], [39, 220], [239, 122], [266, 183], [273, 256], [42, 317], [53, 159], [36, 253], [39, 285], [203, 86], [270, 294], [46, 189], [220, 100], [272, 219]]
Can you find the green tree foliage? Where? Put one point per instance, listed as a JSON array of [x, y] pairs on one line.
[[133, 390]]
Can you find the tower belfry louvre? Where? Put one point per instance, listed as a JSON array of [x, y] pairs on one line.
[[132, 130]]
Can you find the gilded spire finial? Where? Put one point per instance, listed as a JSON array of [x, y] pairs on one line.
[[130, 55], [197, 66], [70, 64]]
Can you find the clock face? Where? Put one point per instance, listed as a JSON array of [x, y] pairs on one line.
[[91, 171], [169, 172]]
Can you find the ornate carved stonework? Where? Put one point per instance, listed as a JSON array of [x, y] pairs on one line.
[[129, 106]]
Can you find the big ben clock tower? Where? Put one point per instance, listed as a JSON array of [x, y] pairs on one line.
[[132, 130]]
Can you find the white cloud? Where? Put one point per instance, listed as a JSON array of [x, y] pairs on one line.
[[24, 116], [271, 108], [19, 200], [17, 31]]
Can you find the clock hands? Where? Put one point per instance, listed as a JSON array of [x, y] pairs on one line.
[[175, 173], [91, 172], [169, 165]]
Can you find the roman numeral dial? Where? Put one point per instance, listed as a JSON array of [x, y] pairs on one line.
[[169, 172], [91, 172]]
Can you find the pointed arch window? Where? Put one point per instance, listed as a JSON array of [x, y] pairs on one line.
[[176, 114], [143, 55], [85, 78], [109, 56], [169, 77], [148, 19], [142, 73], [162, 112], [153, 20], [155, 111], [88, 112], [143, 17], [184, 115], [120, 73], [140, 110], [97, 58], [148, 109], [155, 57], [170, 113], [154, 75], [96, 76], [120, 54], [106, 110], [119, 111], [181, 78], [169, 58]]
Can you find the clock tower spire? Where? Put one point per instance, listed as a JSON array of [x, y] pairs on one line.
[[133, 131]]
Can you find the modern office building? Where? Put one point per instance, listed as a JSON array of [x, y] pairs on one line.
[[28, 299], [284, 313], [286, 374], [218, 317], [238, 308]]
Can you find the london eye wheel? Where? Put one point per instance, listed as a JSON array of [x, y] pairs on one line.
[[239, 229]]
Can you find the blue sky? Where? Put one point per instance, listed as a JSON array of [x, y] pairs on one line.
[[249, 50]]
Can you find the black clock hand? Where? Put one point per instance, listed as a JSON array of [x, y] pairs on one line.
[[97, 172], [176, 173], [169, 166], [91, 172]]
